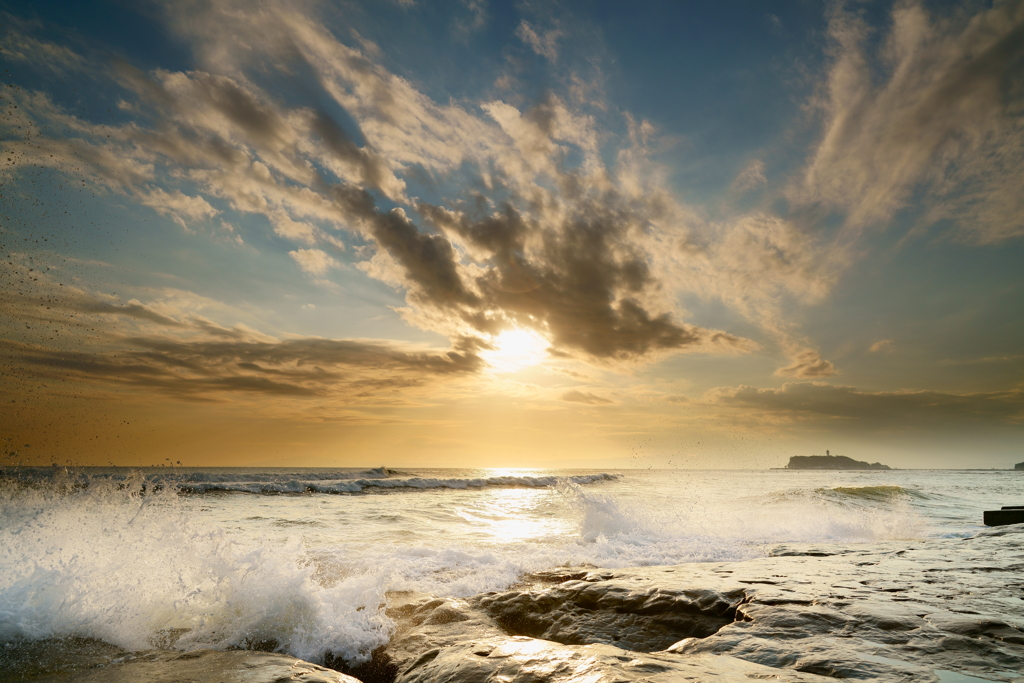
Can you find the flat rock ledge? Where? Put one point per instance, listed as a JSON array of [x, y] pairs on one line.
[[201, 666], [942, 611], [529, 659]]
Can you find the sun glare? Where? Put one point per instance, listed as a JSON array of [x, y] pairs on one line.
[[516, 350]]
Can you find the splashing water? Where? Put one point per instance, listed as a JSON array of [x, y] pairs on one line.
[[205, 559]]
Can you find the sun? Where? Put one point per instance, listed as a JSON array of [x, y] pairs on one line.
[[515, 350]]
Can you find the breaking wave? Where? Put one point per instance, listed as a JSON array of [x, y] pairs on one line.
[[339, 481], [135, 568], [381, 485], [873, 493]]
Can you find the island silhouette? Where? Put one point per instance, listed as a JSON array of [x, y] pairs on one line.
[[831, 462]]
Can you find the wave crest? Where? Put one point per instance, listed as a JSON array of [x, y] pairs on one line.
[[873, 493], [354, 481]]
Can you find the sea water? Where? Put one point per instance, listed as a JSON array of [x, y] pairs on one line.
[[302, 560]]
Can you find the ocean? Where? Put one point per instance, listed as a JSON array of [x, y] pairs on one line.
[[302, 561]]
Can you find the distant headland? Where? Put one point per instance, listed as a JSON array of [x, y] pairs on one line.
[[1019, 466], [831, 462]]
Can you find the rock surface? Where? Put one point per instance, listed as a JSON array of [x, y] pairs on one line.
[[522, 659], [930, 611], [642, 618], [203, 666]]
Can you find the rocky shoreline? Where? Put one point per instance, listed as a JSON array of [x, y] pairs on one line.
[[939, 611]]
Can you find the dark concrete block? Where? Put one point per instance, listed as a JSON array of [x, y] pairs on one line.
[[1003, 517]]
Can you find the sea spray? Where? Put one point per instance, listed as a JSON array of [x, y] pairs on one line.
[[130, 567], [263, 559]]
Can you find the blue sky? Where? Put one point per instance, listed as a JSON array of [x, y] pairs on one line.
[[513, 234]]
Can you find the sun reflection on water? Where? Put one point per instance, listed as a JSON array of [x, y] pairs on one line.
[[511, 515]]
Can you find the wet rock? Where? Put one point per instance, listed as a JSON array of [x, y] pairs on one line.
[[379, 668], [975, 626], [200, 666], [923, 612], [822, 655], [789, 619], [952, 612], [45, 658], [529, 660], [425, 623], [581, 612], [557, 575]]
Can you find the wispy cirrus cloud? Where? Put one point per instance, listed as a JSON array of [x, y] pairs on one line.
[[881, 346], [477, 16], [936, 112], [576, 396], [751, 176], [19, 45], [754, 263], [544, 43]]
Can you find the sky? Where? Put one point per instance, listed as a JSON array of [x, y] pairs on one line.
[[471, 233]]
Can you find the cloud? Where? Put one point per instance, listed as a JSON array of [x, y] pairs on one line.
[[757, 261], [881, 345], [595, 253], [131, 310], [936, 113], [99, 344], [314, 261], [369, 47], [356, 163], [21, 46], [583, 397], [851, 408], [759, 257], [427, 263], [239, 332], [579, 274], [47, 303], [985, 359], [751, 176], [544, 44], [215, 369], [807, 364], [177, 205], [477, 16]]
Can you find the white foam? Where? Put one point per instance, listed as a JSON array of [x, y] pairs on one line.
[[110, 563]]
